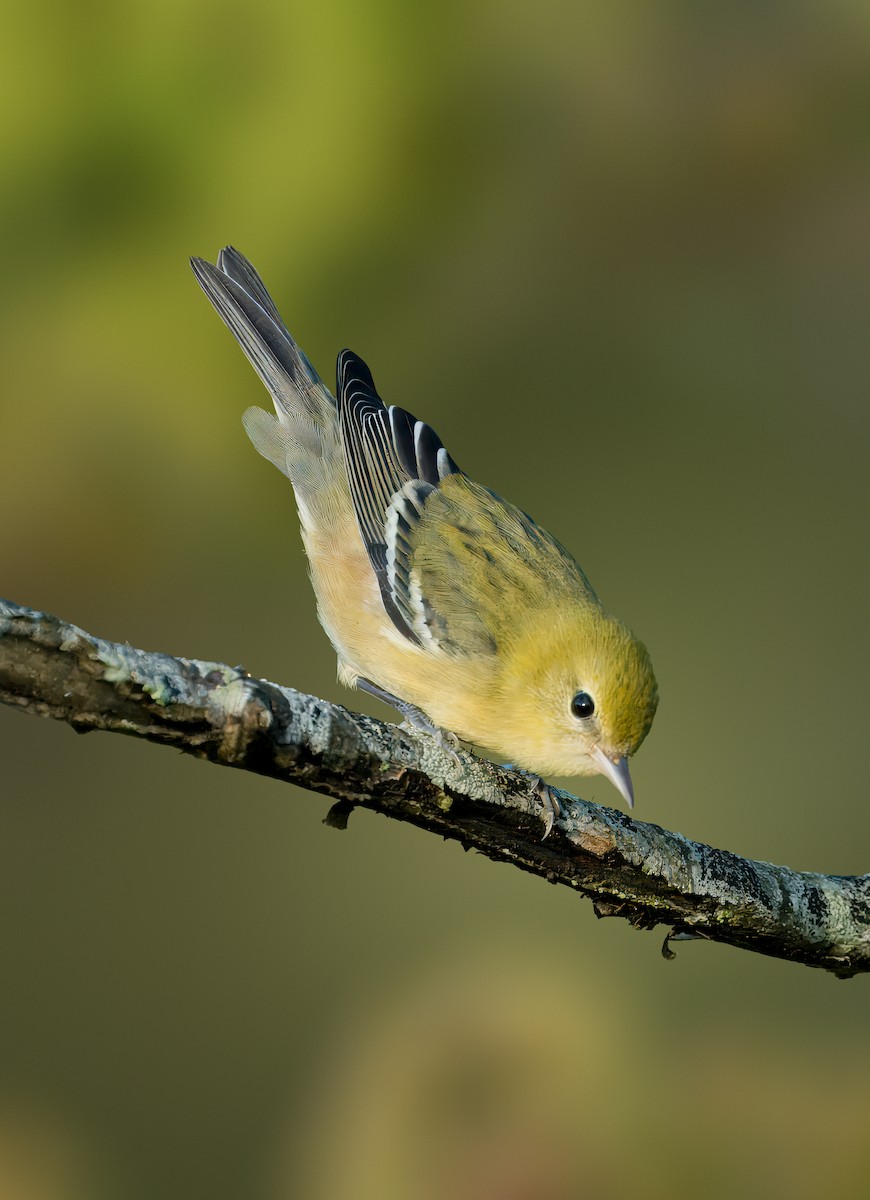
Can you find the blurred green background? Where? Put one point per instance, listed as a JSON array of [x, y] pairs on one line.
[[619, 255]]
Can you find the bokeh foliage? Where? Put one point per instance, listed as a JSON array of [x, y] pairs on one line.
[[618, 255]]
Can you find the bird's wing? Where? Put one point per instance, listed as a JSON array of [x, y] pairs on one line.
[[450, 556], [393, 461], [472, 569]]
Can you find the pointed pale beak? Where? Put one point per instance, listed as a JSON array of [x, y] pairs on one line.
[[616, 770]]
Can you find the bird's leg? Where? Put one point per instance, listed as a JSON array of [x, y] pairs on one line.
[[552, 809], [413, 717], [550, 801]]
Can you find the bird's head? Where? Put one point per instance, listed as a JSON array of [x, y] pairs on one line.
[[584, 696]]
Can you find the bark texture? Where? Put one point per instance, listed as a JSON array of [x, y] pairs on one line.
[[627, 868]]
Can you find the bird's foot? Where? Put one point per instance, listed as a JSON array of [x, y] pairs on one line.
[[414, 718], [445, 740], [551, 808]]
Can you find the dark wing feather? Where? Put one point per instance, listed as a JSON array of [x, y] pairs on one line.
[[385, 450]]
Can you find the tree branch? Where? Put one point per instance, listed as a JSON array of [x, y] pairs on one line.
[[627, 868]]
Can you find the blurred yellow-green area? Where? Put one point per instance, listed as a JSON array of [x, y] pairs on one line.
[[618, 254]]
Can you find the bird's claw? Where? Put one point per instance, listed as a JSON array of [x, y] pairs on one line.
[[552, 809], [449, 743], [417, 721]]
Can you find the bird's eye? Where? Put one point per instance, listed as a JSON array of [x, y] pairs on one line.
[[582, 705]]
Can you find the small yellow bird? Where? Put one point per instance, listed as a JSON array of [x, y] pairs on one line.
[[439, 597]]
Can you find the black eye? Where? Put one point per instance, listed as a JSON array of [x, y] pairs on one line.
[[582, 705]]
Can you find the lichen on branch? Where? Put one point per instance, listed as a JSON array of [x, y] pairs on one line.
[[625, 867]]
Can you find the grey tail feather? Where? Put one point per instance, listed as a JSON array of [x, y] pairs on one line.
[[246, 308], [236, 267]]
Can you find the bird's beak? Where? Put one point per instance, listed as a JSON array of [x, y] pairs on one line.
[[616, 770]]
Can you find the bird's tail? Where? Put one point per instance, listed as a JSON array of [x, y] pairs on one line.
[[305, 427]]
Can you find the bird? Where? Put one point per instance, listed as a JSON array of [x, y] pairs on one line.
[[440, 598]]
